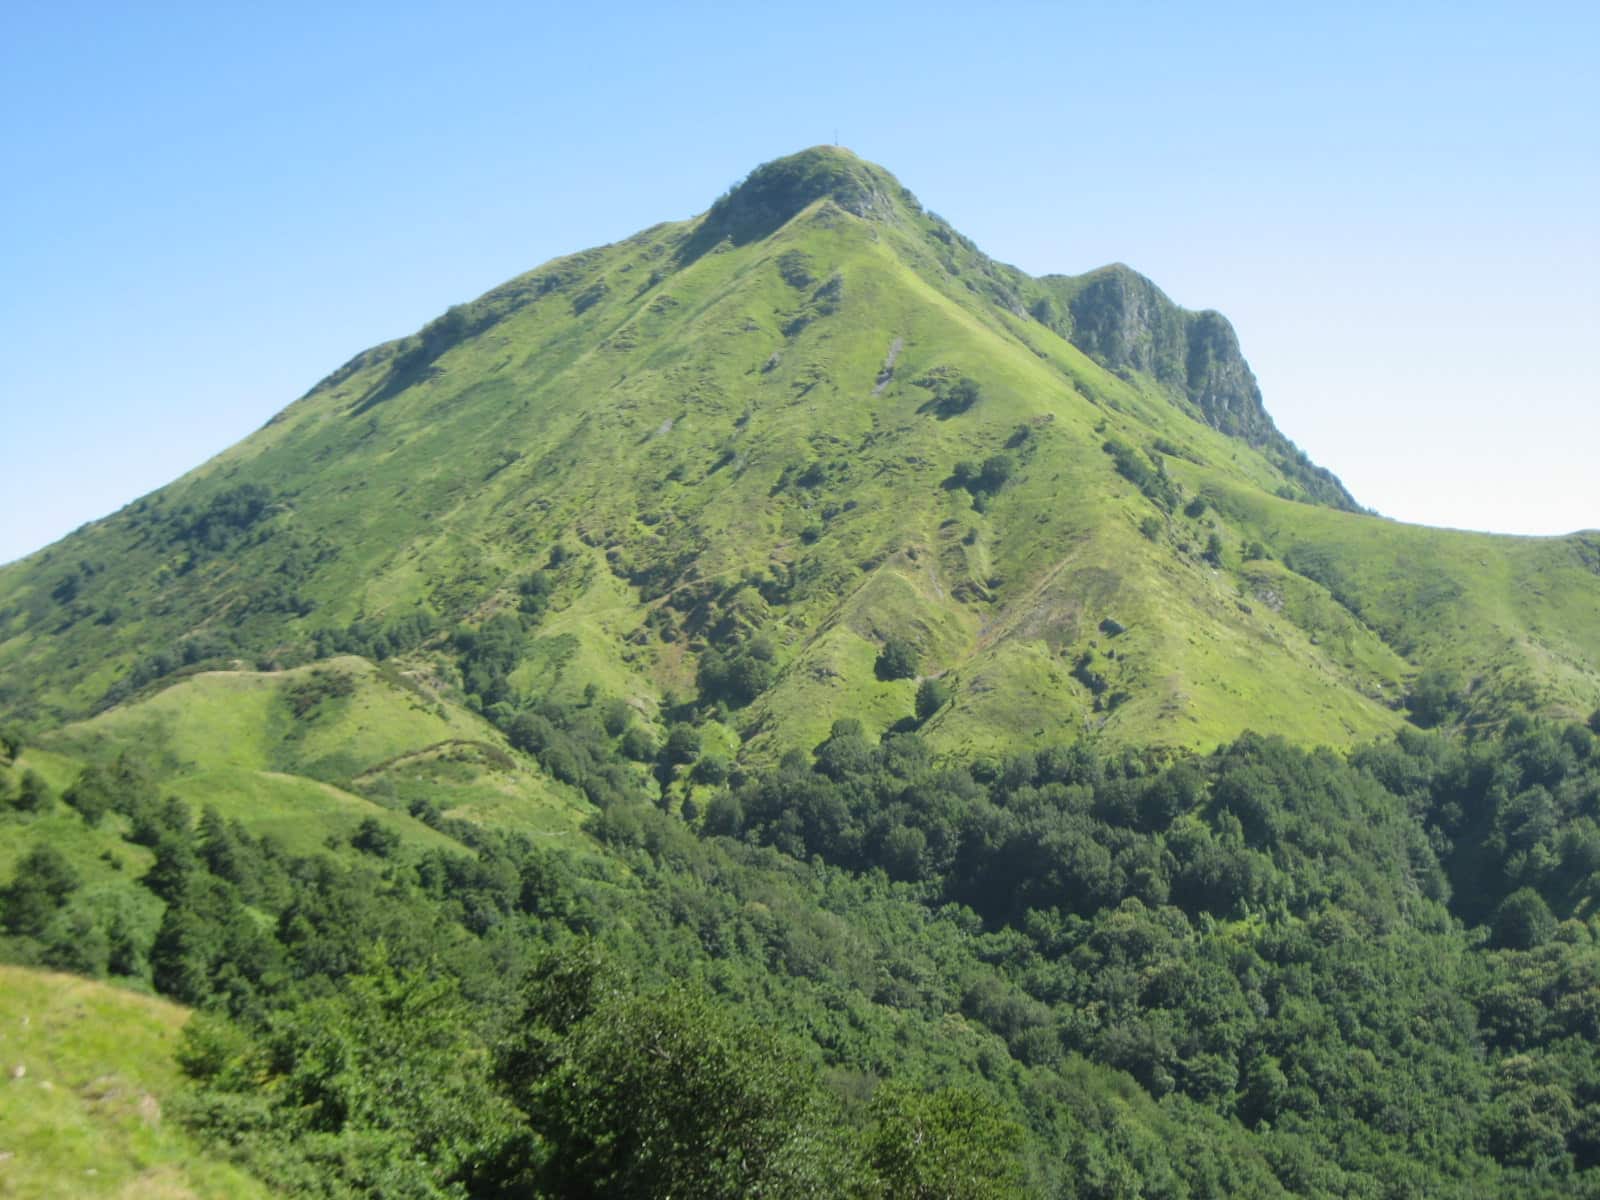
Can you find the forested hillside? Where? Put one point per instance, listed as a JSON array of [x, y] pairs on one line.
[[1261, 970]]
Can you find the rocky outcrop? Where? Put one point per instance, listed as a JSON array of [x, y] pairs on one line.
[[1220, 383], [1125, 323]]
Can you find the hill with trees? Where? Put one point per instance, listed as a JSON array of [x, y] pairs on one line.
[[787, 705]]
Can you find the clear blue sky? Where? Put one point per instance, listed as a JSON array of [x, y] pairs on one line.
[[203, 212]]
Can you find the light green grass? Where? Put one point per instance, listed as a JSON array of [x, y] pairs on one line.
[[1516, 616], [304, 815], [243, 719], [466, 781], [230, 740], [87, 1071]]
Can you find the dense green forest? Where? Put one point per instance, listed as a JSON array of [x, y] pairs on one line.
[[865, 972]]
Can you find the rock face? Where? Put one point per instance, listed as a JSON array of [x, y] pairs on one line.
[[1124, 322], [1220, 382]]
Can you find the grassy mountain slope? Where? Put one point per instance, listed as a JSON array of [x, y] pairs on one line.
[[87, 1067], [308, 754], [1514, 618], [752, 426]]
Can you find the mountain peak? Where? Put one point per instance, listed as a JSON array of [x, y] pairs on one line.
[[777, 191]]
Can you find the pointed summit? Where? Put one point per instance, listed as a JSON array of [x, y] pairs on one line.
[[776, 192]]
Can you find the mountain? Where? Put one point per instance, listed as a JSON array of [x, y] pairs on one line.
[[787, 705], [765, 432], [756, 424]]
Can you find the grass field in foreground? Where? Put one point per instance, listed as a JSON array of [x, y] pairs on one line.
[[85, 1071]]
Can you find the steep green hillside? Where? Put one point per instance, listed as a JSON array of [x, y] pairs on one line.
[[811, 421], [1506, 619], [88, 1070]]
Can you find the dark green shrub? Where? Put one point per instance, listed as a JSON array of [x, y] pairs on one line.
[[39, 887], [683, 744], [1522, 922], [1435, 697], [92, 794], [951, 398], [375, 838], [638, 745], [712, 769], [932, 695], [897, 660], [33, 793]]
